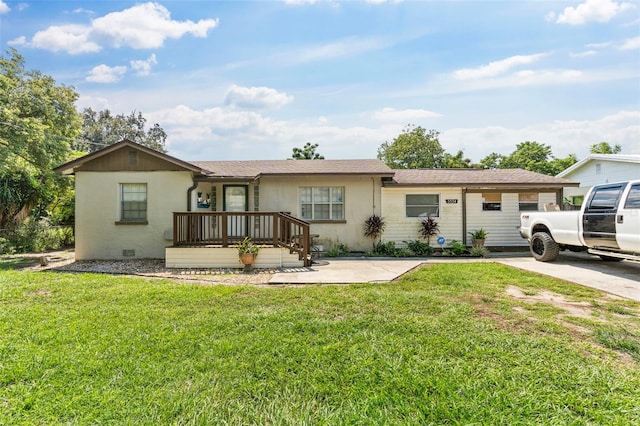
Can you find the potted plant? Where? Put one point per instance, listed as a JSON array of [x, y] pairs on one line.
[[247, 251], [477, 237]]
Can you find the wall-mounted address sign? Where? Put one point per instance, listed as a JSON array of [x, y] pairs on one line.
[[452, 201]]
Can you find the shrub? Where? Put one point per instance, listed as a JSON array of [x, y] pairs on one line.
[[457, 249], [373, 227], [37, 236], [480, 251], [419, 248], [429, 228], [337, 250], [386, 249]]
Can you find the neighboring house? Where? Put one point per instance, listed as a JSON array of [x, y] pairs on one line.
[[134, 202], [465, 200], [597, 169]]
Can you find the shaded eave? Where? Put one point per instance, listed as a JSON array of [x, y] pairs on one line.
[[70, 167]]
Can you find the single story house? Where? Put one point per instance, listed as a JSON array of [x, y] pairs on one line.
[[135, 202], [597, 169]]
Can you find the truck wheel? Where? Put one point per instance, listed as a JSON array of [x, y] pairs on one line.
[[543, 247]]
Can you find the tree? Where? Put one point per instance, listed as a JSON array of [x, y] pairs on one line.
[[101, 128], [308, 152], [532, 156], [457, 161], [414, 148], [38, 122], [605, 148]]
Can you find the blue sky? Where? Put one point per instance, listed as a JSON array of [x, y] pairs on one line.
[[251, 80]]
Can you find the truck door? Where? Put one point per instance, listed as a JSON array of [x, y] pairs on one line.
[[628, 220], [599, 217]]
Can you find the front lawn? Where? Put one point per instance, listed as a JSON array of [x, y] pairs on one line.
[[448, 344]]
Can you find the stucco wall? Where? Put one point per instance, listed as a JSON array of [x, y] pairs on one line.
[[98, 209], [361, 199]]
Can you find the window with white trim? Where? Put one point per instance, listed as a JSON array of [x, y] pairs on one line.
[[491, 201], [422, 205], [133, 202], [322, 202], [528, 201]]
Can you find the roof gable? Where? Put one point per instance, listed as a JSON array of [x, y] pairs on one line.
[[126, 156], [620, 158]]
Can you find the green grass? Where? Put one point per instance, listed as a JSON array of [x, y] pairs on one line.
[[445, 345]]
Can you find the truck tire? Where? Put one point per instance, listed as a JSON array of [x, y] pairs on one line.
[[543, 247]]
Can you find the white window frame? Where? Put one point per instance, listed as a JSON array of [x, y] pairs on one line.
[[131, 192], [407, 205], [526, 205], [486, 204], [308, 206]]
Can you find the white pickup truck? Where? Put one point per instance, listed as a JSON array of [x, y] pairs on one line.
[[607, 225]]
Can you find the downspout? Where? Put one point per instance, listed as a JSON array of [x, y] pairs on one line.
[[464, 215], [189, 191], [373, 195]]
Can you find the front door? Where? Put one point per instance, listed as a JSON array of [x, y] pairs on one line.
[[236, 199]]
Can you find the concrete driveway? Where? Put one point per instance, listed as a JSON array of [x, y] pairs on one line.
[[618, 278]]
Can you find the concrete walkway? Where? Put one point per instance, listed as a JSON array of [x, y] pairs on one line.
[[618, 278]]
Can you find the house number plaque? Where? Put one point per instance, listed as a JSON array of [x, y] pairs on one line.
[[452, 201]]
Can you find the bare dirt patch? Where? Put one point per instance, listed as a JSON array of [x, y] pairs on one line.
[[576, 309]]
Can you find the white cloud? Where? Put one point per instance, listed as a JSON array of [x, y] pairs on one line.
[[73, 39], [497, 67], [4, 8], [584, 54], [143, 67], [144, 26], [342, 48], [630, 44], [106, 74], [255, 97], [404, 116], [564, 137], [590, 11]]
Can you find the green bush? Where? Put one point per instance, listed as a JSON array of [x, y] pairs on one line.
[[478, 251], [457, 248], [388, 249], [337, 250], [36, 236], [419, 248]]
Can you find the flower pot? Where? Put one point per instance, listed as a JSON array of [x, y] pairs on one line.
[[247, 259], [477, 242]]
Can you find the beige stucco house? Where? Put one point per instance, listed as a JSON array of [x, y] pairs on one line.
[[134, 202]]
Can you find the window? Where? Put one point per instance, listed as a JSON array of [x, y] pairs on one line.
[[605, 198], [133, 202], [633, 199], [598, 168], [322, 202], [421, 205], [491, 201], [528, 201]]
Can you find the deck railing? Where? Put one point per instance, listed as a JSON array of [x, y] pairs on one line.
[[223, 229]]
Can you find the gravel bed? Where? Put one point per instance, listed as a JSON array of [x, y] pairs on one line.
[[65, 261]]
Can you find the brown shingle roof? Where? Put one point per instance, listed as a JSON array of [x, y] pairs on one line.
[[255, 168], [476, 177]]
